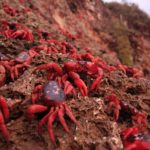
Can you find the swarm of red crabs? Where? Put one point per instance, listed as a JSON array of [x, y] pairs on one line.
[[13, 66], [134, 138], [62, 80]]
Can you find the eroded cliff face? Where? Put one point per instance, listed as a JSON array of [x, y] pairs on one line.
[[84, 19], [95, 27]]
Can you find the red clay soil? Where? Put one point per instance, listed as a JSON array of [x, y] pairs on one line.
[[97, 129]]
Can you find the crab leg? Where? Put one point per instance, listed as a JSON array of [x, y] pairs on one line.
[[70, 114], [61, 112], [14, 70], [50, 123], [43, 121], [59, 81], [3, 127], [2, 75], [4, 107], [36, 93], [12, 73]]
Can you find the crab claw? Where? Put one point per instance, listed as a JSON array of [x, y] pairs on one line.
[[141, 120], [79, 83], [114, 102], [35, 108], [70, 65], [9, 10], [52, 67], [68, 88], [97, 80], [128, 132], [134, 139]]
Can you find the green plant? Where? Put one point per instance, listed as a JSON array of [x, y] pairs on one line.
[[122, 43]]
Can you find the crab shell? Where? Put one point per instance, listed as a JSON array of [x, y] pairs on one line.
[[53, 94], [3, 57], [23, 57]]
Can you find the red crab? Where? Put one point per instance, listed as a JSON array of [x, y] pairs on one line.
[[4, 61], [9, 10], [4, 115], [8, 28], [99, 62], [43, 48], [53, 98], [57, 46], [22, 60], [24, 34], [16, 30], [74, 68], [6, 64], [137, 116], [130, 71], [134, 139]]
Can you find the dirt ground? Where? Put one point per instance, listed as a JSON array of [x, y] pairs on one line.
[[97, 129]]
